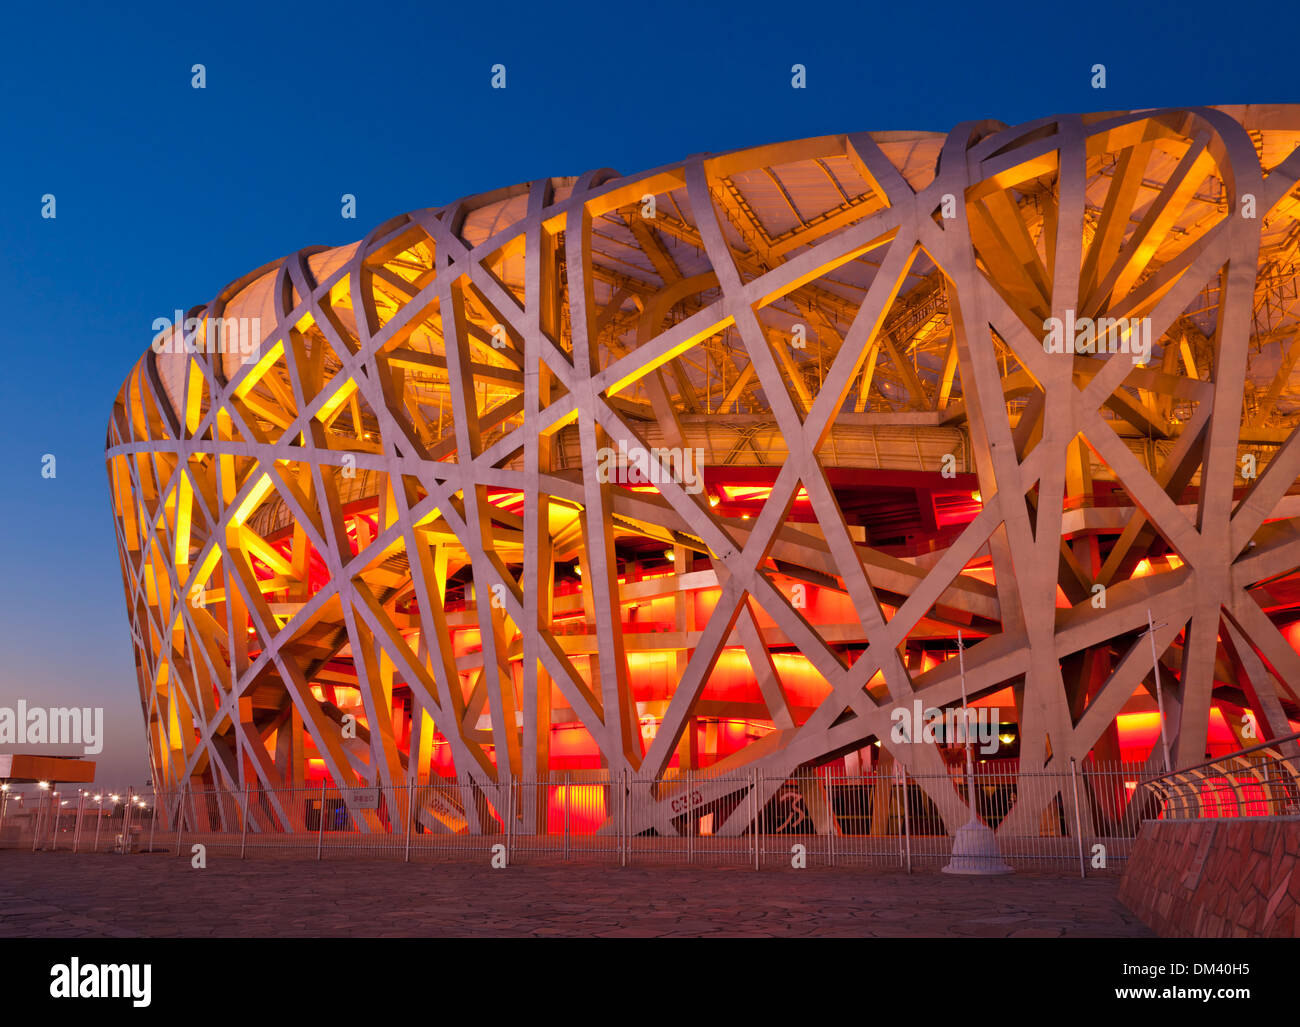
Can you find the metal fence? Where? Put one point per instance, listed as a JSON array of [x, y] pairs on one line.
[[1087, 816], [53, 821], [1262, 781], [1083, 818]]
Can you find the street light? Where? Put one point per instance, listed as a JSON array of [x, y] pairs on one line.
[[1160, 695], [975, 847]]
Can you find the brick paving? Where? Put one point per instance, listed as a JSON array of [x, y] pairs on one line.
[[65, 895]]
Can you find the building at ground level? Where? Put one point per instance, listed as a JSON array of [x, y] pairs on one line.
[[707, 468]]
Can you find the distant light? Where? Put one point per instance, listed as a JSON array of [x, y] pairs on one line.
[[976, 496], [42, 785], [4, 788], [1006, 739], [115, 798], [714, 501], [98, 798], [577, 569], [744, 517], [669, 555]]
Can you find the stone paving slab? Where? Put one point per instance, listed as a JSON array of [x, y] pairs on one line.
[[66, 895]]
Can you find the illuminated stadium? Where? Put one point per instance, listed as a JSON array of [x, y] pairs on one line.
[[699, 472]]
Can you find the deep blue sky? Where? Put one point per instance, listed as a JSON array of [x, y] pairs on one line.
[[165, 193]]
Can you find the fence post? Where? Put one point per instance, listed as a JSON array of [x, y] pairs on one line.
[[753, 805], [1078, 823], [99, 818], [180, 816], [81, 814], [126, 820], [153, 820], [691, 819], [36, 828], [320, 824], [243, 832], [907, 821], [568, 799], [623, 823], [893, 788], [410, 815], [54, 821], [830, 815]]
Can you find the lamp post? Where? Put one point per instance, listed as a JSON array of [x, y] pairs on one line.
[[965, 719], [1160, 695], [974, 847]]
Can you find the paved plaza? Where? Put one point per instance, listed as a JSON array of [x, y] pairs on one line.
[[65, 895]]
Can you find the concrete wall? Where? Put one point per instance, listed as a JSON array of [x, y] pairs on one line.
[[1216, 878]]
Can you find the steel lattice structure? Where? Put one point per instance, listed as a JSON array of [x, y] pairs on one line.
[[389, 513]]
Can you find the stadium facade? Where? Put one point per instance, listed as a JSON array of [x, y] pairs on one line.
[[707, 468]]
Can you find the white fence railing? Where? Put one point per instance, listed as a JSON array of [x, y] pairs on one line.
[[1262, 781], [1083, 817]]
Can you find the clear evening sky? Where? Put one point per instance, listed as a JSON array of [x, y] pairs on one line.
[[165, 193]]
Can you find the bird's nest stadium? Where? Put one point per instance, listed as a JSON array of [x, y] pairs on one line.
[[693, 478]]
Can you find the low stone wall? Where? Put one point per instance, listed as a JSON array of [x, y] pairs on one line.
[[1224, 878]]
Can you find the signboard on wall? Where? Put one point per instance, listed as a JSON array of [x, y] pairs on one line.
[[363, 798]]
